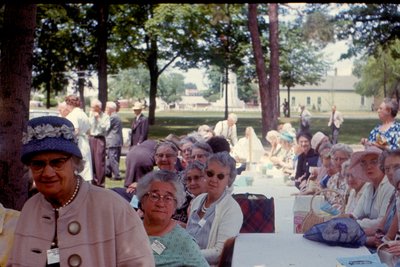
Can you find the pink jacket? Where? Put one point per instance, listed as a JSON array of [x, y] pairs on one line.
[[99, 229]]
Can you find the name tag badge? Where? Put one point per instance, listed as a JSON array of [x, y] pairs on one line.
[[202, 222], [158, 247], [53, 256]]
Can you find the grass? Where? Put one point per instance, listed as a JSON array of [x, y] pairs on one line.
[[355, 126]]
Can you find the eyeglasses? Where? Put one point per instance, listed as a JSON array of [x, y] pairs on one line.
[[339, 159], [220, 176], [198, 156], [161, 155], [365, 163], [194, 178], [154, 197], [57, 164]]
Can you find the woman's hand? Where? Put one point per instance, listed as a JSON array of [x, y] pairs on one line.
[[394, 247], [131, 188]]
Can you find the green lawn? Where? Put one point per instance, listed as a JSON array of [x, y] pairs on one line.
[[355, 126]]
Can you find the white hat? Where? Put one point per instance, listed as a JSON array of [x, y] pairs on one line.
[[317, 139], [137, 106]]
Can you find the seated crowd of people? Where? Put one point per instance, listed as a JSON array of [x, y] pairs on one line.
[[181, 187]]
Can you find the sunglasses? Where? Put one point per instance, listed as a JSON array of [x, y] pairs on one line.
[[220, 176], [57, 164]]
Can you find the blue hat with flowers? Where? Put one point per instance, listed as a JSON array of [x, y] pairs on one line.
[[287, 137], [49, 133]]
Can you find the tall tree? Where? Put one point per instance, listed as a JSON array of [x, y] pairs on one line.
[[15, 86], [268, 112], [155, 36], [274, 62], [102, 35]]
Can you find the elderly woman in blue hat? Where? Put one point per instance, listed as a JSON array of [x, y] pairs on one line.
[[71, 222], [286, 160]]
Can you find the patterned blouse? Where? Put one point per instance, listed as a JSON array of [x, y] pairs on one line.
[[177, 248], [391, 135]]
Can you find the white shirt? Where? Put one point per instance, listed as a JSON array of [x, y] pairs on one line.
[[372, 206]]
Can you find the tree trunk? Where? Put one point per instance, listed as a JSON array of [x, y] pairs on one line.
[[154, 74], [15, 86], [289, 103], [266, 110], [274, 62], [102, 12], [81, 88]]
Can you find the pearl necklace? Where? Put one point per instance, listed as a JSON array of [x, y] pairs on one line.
[[78, 180]]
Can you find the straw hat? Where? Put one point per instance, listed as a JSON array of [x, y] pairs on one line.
[[137, 106]]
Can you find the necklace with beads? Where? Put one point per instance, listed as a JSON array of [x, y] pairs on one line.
[[73, 195]]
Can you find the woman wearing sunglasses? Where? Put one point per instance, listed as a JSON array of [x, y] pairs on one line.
[[215, 216], [160, 194], [70, 220]]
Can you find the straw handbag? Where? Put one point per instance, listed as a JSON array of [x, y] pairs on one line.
[[386, 257], [333, 206]]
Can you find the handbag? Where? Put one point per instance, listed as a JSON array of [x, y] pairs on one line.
[[333, 206], [386, 257], [258, 213], [345, 232]]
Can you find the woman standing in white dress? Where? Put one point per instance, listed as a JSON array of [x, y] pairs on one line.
[[81, 123]]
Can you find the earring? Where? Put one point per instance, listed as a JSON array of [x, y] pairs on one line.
[[76, 172]]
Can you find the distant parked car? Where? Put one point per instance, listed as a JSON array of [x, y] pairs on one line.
[[42, 112]]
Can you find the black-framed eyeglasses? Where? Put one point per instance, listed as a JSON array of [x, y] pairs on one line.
[[154, 197], [56, 164], [220, 176]]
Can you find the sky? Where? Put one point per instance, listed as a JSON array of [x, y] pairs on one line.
[[332, 52]]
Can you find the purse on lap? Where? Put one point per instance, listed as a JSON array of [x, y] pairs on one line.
[[258, 213]]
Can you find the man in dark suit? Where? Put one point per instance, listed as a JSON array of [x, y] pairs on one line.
[[140, 126], [113, 142]]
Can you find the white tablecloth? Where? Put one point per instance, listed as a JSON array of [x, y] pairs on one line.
[[283, 248], [287, 250]]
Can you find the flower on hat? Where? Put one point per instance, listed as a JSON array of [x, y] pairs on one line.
[[48, 130]]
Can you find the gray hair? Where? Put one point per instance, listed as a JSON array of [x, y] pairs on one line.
[[96, 103], [233, 117], [393, 105], [345, 167], [168, 144], [384, 155], [194, 165], [343, 148], [203, 146], [225, 160], [188, 139], [111, 105], [144, 184]]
